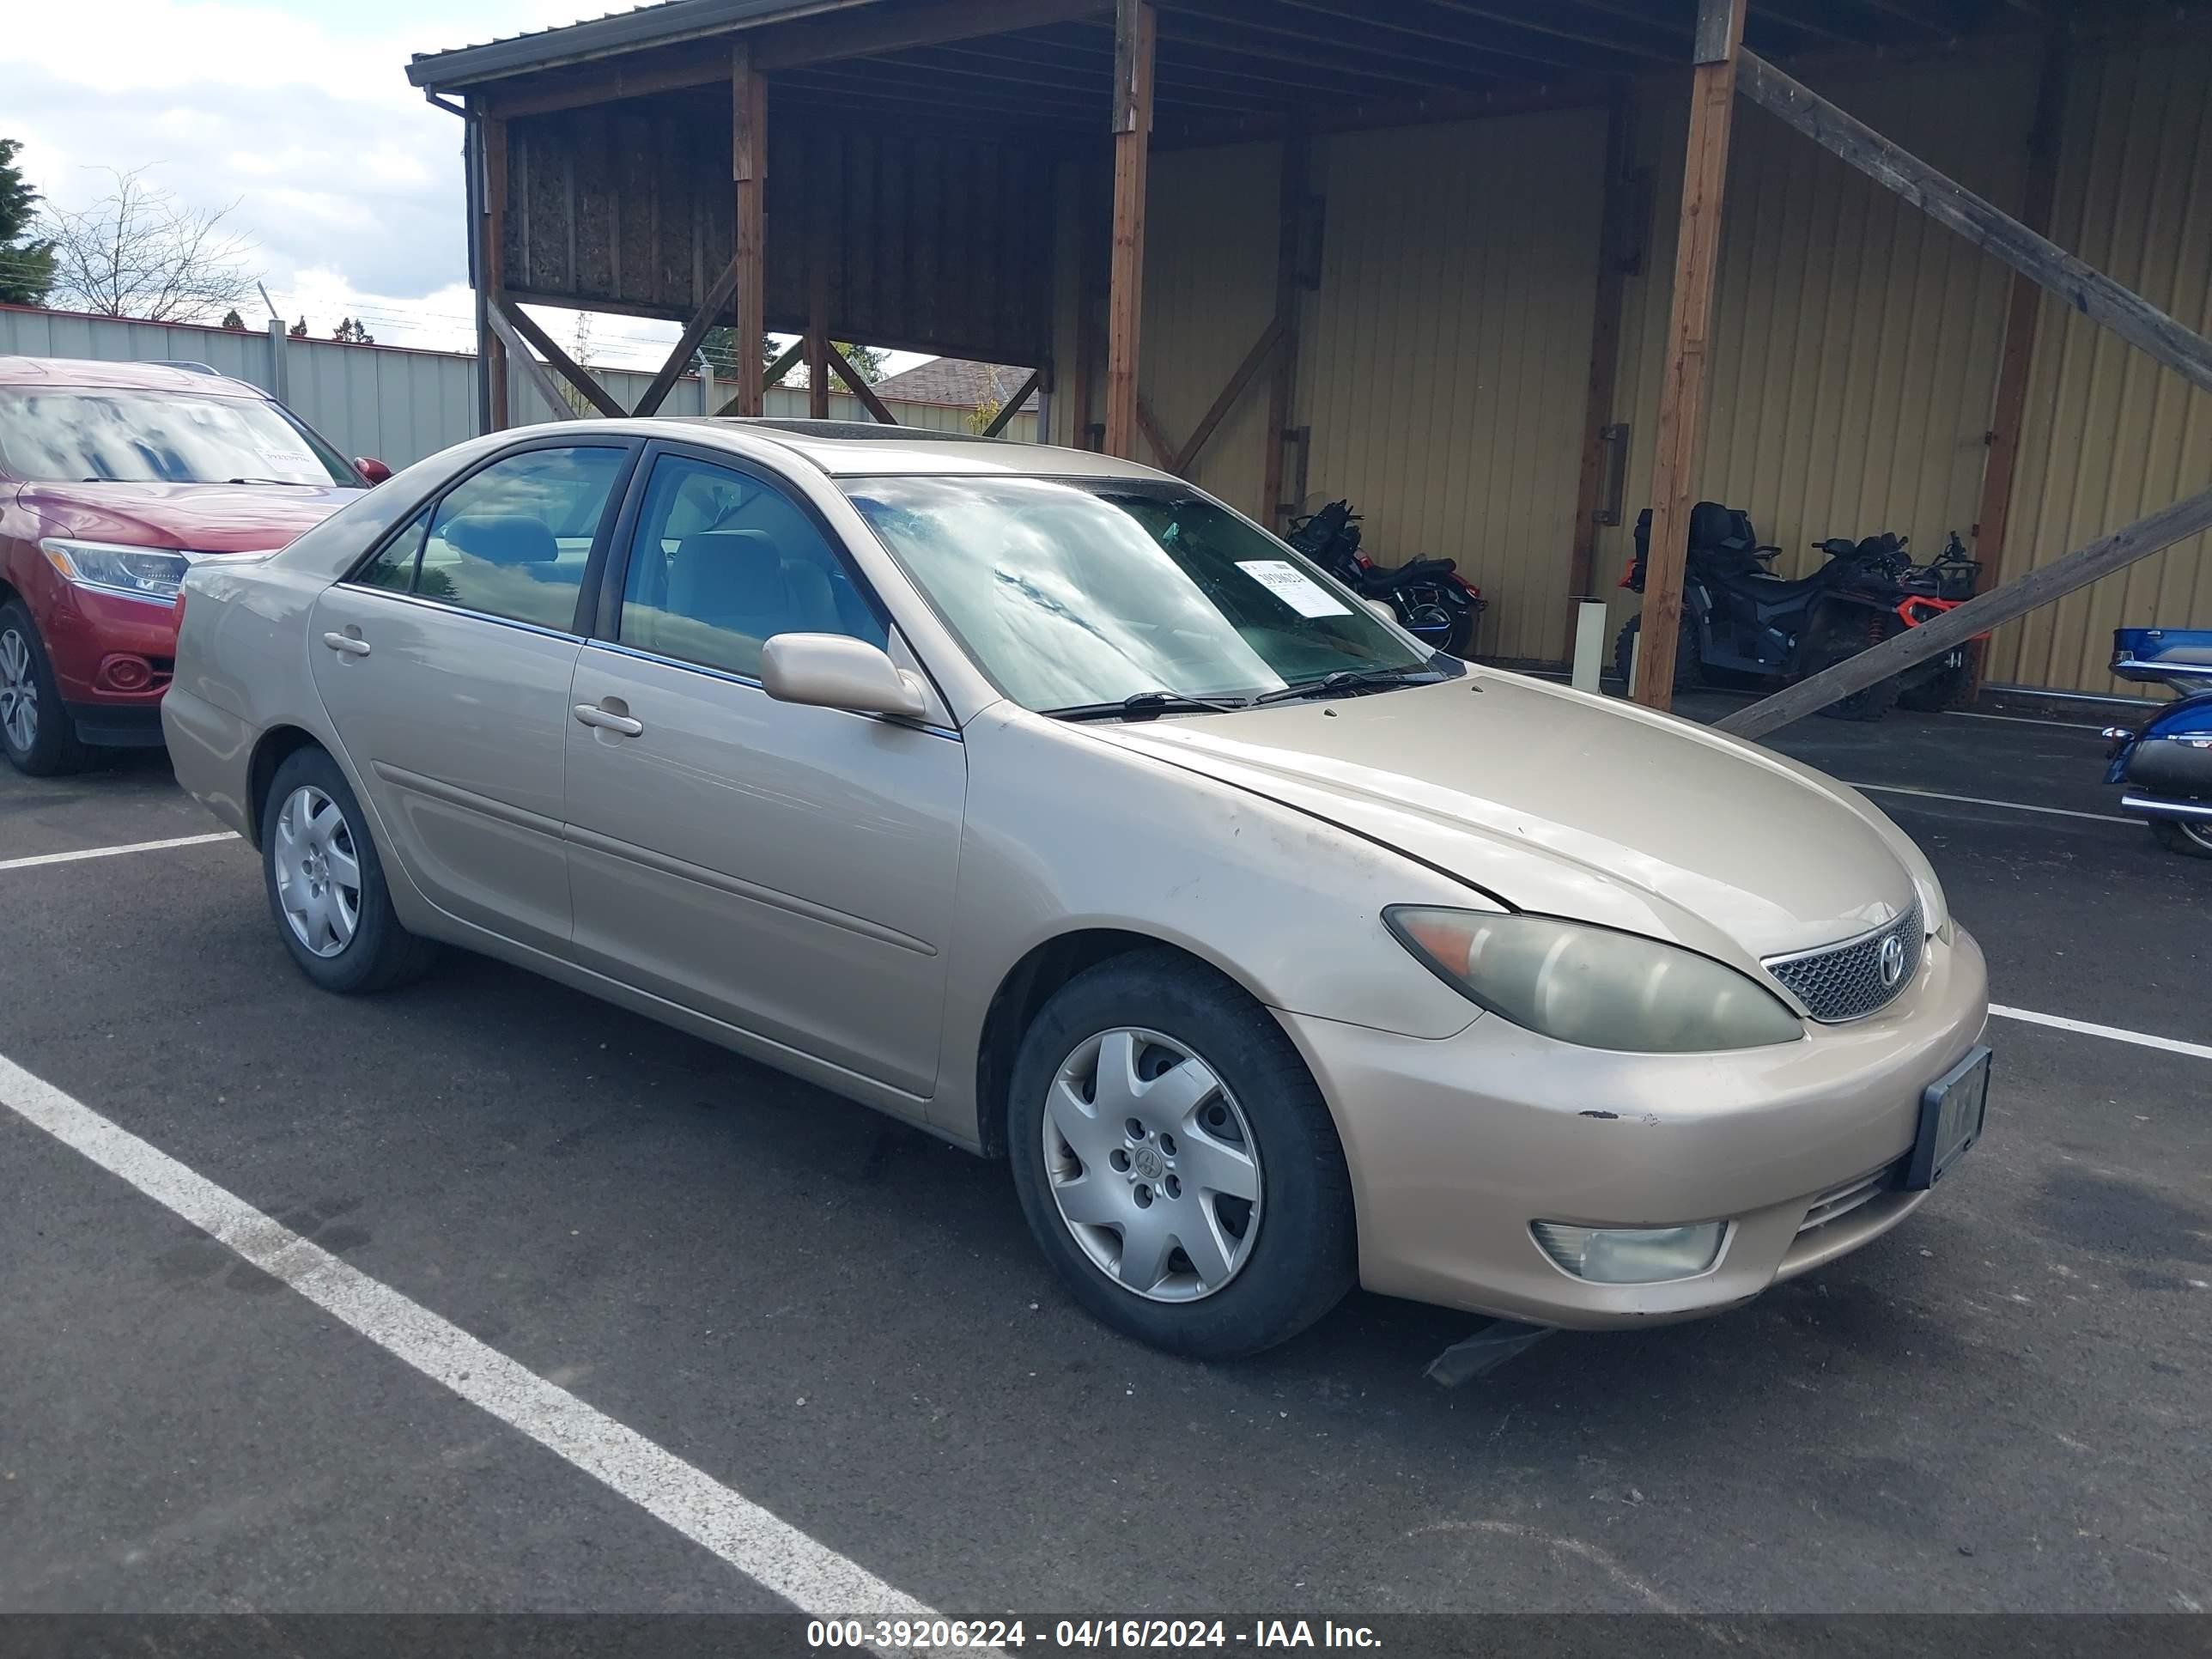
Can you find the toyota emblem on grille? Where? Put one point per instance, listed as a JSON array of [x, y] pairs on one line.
[[1892, 959]]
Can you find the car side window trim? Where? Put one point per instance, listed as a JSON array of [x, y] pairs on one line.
[[618, 494], [731, 676]]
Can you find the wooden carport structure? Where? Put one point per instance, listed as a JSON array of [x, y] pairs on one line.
[[950, 175]]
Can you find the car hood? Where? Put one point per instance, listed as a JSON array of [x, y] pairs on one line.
[[206, 518], [1571, 805]]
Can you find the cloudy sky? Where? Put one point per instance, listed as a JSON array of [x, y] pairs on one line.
[[348, 183]]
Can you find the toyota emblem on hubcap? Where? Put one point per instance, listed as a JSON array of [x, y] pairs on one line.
[[1892, 960], [1147, 1163]]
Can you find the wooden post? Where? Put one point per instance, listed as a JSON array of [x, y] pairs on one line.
[[491, 268], [749, 171], [1133, 32], [2008, 410], [1614, 257], [818, 250], [1283, 381], [1682, 392]]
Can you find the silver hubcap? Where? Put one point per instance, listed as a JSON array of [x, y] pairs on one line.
[[317, 871], [1152, 1165], [19, 692], [2199, 833]]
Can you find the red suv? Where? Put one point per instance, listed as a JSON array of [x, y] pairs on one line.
[[113, 478]]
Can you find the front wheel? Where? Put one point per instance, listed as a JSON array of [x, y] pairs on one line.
[[326, 881], [1842, 637], [1689, 671], [1175, 1161], [2191, 839], [36, 732]]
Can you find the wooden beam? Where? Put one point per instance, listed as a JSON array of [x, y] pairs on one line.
[[1135, 30], [571, 371], [650, 78], [540, 382], [1164, 448], [859, 388], [687, 344], [870, 31], [775, 372], [491, 267], [1682, 391], [2007, 411], [749, 172], [2080, 285], [819, 233], [1614, 259], [1263, 348], [2151, 534], [1013, 406], [1283, 378]]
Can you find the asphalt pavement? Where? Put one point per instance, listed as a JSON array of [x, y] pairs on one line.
[[1998, 1406]]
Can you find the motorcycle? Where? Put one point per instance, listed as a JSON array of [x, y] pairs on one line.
[[2164, 766], [1431, 599], [1741, 619]]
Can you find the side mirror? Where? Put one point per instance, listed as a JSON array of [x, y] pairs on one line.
[[829, 670], [371, 469], [1382, 608]]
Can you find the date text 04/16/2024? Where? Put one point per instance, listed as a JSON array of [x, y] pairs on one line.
[[890, 1634]]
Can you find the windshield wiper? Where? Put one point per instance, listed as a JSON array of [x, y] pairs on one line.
[[294, 483], [1348, 679], [1145, 706]]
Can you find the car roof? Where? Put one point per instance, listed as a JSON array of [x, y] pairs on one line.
[[859, 448], [95, 373]]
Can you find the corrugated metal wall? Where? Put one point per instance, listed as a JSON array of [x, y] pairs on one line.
[[390, 402], [1855, 341], [1210, 243], [2110, 434], [1443, 360]]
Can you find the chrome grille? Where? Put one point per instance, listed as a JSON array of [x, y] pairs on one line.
[[1838, 982]]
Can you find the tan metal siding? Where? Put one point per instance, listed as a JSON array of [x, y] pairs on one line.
[[1444, 358], [1854, 341], [2109, 434], [1209, 291]]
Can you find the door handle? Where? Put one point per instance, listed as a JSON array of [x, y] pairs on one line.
[[347, 643], [606, 721]]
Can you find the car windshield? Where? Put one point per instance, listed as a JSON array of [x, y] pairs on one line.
[[158, 437], [1077, 592]]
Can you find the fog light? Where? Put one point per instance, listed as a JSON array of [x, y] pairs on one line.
[[122, 673], [1632, 1255]]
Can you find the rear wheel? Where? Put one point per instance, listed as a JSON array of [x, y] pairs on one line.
[[1843, 635], [2192, 840], [326, 881], [1175, 1161], [36, 732], [1689, 671]]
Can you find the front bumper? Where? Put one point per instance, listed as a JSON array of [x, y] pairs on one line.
[[1455, 1146]]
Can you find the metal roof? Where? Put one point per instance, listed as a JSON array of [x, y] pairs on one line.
[[618, 31]]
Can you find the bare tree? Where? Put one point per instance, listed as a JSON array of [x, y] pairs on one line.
[[140, 252]]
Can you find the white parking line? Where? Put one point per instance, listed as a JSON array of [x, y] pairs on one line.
[[812, 1577], [2112, 1033], [2020, 719], [115, 852], [1978, 800]]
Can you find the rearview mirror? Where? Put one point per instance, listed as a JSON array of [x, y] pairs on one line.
[[830, 671], [371, 469]]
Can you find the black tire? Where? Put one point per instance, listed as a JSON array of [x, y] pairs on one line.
[[1689, 671], [380, 954], [2190, 842], [54, 748], [1462, 637], [1843, 637], [1305, 1255], [1945, 689]]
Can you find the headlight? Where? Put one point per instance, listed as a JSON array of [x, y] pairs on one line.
[[143, 573], [1593, 986]]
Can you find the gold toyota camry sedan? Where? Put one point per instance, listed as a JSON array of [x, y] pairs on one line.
[[1047, 803]]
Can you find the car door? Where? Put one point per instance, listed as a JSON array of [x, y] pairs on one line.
[[445, 660], [786, 870]]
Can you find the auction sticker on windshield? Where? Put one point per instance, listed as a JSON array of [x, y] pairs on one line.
[[1294, 587]]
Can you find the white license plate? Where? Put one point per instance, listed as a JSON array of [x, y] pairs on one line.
[[1952, 1110]]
